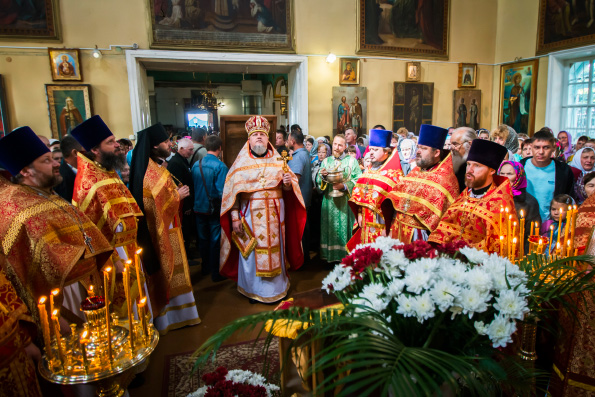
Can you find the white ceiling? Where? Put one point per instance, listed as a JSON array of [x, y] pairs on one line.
[[216, 67]]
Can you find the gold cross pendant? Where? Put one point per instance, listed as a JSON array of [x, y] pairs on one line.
[[285, 157], [262, 181]]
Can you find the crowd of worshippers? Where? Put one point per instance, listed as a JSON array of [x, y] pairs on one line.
[[281, 204]]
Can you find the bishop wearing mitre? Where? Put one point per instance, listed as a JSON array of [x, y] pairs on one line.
[[262, 218]]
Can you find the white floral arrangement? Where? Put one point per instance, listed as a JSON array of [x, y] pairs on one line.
[[426, 282], [235, 382]]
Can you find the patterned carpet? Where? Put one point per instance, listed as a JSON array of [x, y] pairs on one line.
[[178, 379]]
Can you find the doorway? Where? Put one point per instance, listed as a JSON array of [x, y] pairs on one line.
[[139, 61]]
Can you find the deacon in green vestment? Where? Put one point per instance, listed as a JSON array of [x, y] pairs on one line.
[[337, 218]]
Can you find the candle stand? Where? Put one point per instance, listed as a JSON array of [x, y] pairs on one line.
[[86, 351]]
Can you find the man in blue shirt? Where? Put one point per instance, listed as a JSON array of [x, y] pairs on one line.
[[207, 204], [546, 177], [301, 167]]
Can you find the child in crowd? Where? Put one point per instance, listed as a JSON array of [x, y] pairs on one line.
[[352, 151], [558, 209]]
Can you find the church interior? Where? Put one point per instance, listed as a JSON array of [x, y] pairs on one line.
[[133, 80]]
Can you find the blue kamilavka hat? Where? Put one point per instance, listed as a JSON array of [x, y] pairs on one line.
[[91, 132], [380, 138], [19, 149], [432, 136]]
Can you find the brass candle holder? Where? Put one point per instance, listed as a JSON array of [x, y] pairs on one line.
[[87, 349]]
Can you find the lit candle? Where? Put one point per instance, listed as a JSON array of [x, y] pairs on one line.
[[509, 234], [551, 239], [56, 323], [558, 248], [141, 315], [84, 342], [567, 230], [540, 248], [568, 248], [90, 292], [502, 246], [514, 241], [106, 273], [522, 235], [573, 226], [53, 293], [531, 229], [537, 229], [137, 268], [45, 328], [126, 277]]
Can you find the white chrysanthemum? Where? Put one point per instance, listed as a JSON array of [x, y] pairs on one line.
[[394, 259], [474, 255], [405, 307], [479, 279], [426, 264], [199, 392], [443, 293], [339, 278], [395, 287], [480, 327], [510, 304], [455, 273], [472, 301], [417, 279], [500, 330], [444, 261], [385, 243], [373, 290], [423, 306], [243, 377]]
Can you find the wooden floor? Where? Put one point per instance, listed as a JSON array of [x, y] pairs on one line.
[[218, 304]]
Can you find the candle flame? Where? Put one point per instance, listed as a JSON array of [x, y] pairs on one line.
[[138, 251], [558, 245], [552, 227], [509, 217], [91, 288], [129, 262], [514, 223], [108, 269], [514, 240], [84, 335], [55, 291], [522, 214], [501, 209], [55, 313], [570, 208], [507, 210], [540, 241], [568, 243], [574, 207], [144, 300], [42, 300], [501, 237]]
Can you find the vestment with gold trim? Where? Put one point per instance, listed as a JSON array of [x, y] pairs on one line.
[[17, 370], [420, 199], [476, 221], [367, 195], [170, 288], [43, 246], [273, 216]]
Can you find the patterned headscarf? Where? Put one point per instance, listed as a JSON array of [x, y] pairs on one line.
[[512, 142], [521, 179], [576, 160], [407, 143]]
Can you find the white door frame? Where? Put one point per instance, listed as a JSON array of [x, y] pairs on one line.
[[139, 94]]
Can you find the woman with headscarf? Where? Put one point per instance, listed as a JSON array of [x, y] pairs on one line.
[[506, 136], [407, 149], [522, 200], [567, 149], [584, 161]]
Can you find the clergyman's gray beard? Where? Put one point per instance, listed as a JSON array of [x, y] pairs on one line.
[[259, 149], [458, 160]]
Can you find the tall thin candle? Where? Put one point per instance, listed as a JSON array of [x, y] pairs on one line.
[[137, 268], [56, 323], [45, 328], [560, 218], [567, 231], [126, 278], [502, 246], [501, 212], [106, 273], [513, 257], [53, 293], [84, 342], [141, 315], [522, 235], [509, 234]]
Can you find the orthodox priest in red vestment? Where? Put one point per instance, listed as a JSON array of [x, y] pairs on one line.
[[262, 219]]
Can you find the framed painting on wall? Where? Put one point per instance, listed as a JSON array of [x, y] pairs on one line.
[[349, 109], [518, 87], [37, 21], [466, 108], [413, 71], [65, 64], [467, 75], [564, 24], [222, 25], [69, 105], [4, 127], [410, 28], [413, 104], [349, 71]]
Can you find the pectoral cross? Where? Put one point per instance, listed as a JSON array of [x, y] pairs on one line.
[[285, 157], [88, 242]]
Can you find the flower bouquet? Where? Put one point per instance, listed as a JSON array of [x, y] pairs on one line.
[[224, 383], [421, 318]]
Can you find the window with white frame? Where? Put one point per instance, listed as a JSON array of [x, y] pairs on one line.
[[578, 106]]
